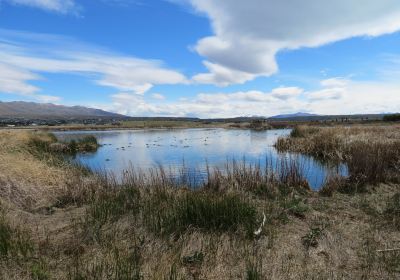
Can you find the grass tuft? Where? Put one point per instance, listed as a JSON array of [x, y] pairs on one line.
[[14, 242], [202, 211]]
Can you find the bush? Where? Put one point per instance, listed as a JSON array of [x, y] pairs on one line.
[[392, 118]]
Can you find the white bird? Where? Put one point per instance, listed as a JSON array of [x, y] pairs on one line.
[[258, 231]]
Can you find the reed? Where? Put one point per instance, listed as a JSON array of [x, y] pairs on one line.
[[203, 211], [46, 144], [371, 153]]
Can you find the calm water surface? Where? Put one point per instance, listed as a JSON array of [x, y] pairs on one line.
[[192, 149]]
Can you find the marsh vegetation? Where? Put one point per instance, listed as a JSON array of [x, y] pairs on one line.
[[244, 222]]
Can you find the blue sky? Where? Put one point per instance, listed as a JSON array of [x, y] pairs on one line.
[[205, 58]]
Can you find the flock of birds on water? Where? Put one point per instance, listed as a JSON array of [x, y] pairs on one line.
[[205, 140], [182, 143]]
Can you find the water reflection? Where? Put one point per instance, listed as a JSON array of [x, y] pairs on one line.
[[192, 148]]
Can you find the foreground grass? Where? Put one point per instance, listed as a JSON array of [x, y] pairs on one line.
[[244, 223]]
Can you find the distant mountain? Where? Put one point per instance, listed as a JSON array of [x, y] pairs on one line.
[[31, 110], [295, 115]]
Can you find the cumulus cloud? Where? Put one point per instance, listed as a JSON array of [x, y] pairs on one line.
[[357, 97], [352, 97], [249, 34], [24, 55], [285, 93], [333, 88], [58, 6]]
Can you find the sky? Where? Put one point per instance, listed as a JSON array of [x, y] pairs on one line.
[[203, 58]]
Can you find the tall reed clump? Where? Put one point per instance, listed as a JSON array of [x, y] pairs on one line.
[[323, 144], [86, 144], [372, 154], [282, 177], [39, 143], [373, 162], [167, 214], [46, 144], [107, 201], [111, 205]]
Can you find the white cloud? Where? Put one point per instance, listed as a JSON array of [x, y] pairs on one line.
[[328, 93], [333, 88], [26, 55], [221, 76], [357, 97], [206, 105], [13, 80], [335, 82], [285, 93], [158, 96], [249, 34], [352, 97], [58, 6]]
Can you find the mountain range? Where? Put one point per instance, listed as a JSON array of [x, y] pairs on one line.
[[295, 115], [31, 110]]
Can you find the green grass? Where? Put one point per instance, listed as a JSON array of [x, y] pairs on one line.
[[311, 239], [14, 242], [295, 206], [108, 207], [204, 211], [113, 205], [39, 271], [254, 272]]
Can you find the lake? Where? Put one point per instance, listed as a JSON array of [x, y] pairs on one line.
[[193, 150]]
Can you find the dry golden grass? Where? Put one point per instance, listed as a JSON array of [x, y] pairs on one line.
[[24, 179]]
